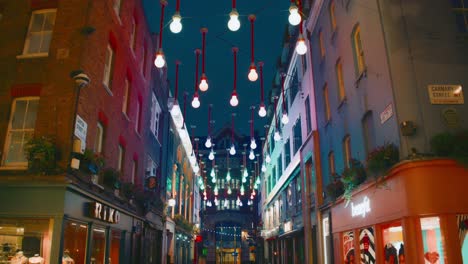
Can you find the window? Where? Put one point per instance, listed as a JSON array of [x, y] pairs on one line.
[[321, 45], [40, 31], [332, 16], [99, 138], [150, 166], [126, 99], [114, 254], [367, 246], [133, 32], [134, 170], [326, 103], [155, 115], [108, 67], [347, 151], [287, 153], [308, 117], [272, 141], [20, 130], [392, 238], [280, 166], [359, 61], [120, 160], [293, 85], [432, 238], [460, 7], [340, 82], [75, 237], [348, 247], [138, 116], [117, 6], [331, 163], [98, 245], [368, 131], [297, 135]]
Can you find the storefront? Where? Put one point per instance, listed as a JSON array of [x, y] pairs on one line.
[[417, 215]]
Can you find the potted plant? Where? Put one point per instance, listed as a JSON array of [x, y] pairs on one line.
[[352, 176], [451, 145], [128, 190], [42, 155], [335, 189], [91, 162], [382, 158], [111, 179]]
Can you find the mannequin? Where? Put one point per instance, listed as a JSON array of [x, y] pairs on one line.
[[19, 258], [36, 259], [66, 259]]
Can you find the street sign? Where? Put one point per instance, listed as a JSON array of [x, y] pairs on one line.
[[445, 94]]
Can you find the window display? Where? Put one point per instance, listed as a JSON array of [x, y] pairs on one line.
[[98, 246], [348, 247], [115, 247], [394, 251], [462, 221], [22, 239], [367, 245], [432, 240], [74, 242]]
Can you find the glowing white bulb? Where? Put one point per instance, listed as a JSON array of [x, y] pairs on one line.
[[246, 174], [294, 16], [205, 198], [253, 76], [159, 61], [268, 158], [226, 203], [211, 155], [277, 136], [216, 190], [234, 101], [202, 187], [213, 180], [285, 118], [257, 181], [234, 23], [203, 83], [195, 102], [216, 201], [253, 144], [251, 197], [255, 186], [262, 111], [251, 155], [176, 25], [238, 200], [244, 180], [229, 191], [192, 159], [242, 190], [232, 150], [209, 204], [228, 176], [208, 142], [301, 47], [196, 169], [204, 193], [263, 168], [253, 192], [212, 173]]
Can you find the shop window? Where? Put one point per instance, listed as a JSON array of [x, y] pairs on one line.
[[326, 240], [367, 245], [98, 246], [462, 221], [393, 247], [25, 238], [348, 247], [432, 240], [114, 257], [136, 249], [75, 236]]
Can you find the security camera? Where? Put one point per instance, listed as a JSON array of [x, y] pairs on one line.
[[81, 78]]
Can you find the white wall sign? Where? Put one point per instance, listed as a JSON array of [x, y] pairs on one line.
[[361, 209], [287, 226], [81, 130], [104, 213], [386, 113], [445, 94]]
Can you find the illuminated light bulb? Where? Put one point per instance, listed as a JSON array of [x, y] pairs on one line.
[[159, 61], [212, 173], [294, 16], [226, 203], [193, 159], [244, 179], [232, 150], [301, 47], [251, 155], [253, 76], [277, 136], [228, 176], [208, 143], [216, 190], [195, 101], [200, 181], [204, 193], [285, 118], [216, 201], [213, 180], [257, 181], [238, 201], [202, 187], [253, 192], [253, 144], [234, 101], [255, 186], [176, 25], [205, 198], [246, 174], [211, 155], [209, 204], [234, 23], [196, 169], [229, 191], [251, 197], [262, 111], [268, 158], [263, 168], [242, 190], [203, 83]]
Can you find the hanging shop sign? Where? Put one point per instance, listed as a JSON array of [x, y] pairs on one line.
[[386, 114], [361, 209], [445, 94], [104, 213]]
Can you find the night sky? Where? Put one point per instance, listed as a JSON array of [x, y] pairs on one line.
[[270, 24]]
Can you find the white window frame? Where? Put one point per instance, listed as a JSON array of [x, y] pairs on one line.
[[107, 75], [151, 166], [126, 99], [155, 116], [133, 34], [120, 157], [42, 33], [134, 170], [137, 117], [10, 130], [99, 138]]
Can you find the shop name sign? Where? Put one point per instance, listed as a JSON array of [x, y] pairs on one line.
[[104, 213], [361, 209]]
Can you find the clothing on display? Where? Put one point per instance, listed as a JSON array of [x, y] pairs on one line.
[[391, 254], [66, 259], [19, 258], [36, 259]]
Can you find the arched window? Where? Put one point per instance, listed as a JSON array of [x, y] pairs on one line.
[[359, 60]]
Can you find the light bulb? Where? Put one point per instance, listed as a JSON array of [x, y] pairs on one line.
[[263, 168], [253, 192], [205, 198], [251, 155], [159, 61], [234, 101], [253, 76], [216, 201], [251, 197], [200, 181], [294, 16], [202, 187], [262, 111], [208, 142], [213, 180], [204, 193], [246, 174], [228, 176], [203, 83], [176, 25], [285, 118], [192, 159], [209, 204], [196, 169], [226, 203], [253, 144], [238, 200], [277, 136], [257, 181], [229, 191], [240, 204], [234, 23], [232, 150], [212, 173], [244, 180], [211, 155], [195, 101], [242, 190], [255, 186], [301, 47], [268, 158]]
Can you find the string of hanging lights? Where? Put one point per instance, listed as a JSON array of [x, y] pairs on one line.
[[253, 76], [284, 118], [294, 16], [261, 109], [253, 144], [301, 47], [204, 80], [176, 24], [208, 142], [160, 61], [234, 100], [232, 150], [176, 89], [196, 100], [277, 135], [267, 156]]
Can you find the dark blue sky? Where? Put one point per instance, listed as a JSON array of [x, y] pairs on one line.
[[269, 28]]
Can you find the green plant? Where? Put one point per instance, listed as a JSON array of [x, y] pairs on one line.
[[451, 145], [335, 189], [91, 162], [128, 190], [183, 223], [111, 178], [382, 158], [42, 155], [352, 176]]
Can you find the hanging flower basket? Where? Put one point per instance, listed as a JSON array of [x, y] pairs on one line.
[[335, 189], [382, 158]]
